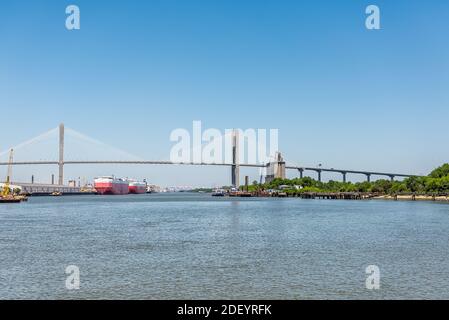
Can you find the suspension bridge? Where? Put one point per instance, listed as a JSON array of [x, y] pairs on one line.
[[274, 169]]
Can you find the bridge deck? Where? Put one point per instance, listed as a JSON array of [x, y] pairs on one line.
[[150, 162]]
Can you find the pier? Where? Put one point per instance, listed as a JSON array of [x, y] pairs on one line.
[[47, 189], [337, 195]]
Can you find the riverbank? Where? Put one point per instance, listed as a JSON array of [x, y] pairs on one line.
[[441, 198], [346, 196], [434, 187]]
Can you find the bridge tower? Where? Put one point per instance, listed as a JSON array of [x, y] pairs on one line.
[[235, 170], [61, 154]]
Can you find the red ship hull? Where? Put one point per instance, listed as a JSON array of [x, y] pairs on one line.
[[137, 189], [109, 186]]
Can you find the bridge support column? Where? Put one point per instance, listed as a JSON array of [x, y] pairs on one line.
[[391, 178], [61, 155], [368, 177], [235, 170], [301, 173], [344, 176], [319, 175]]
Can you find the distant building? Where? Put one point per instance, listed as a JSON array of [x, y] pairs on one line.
[[276, 169], [153, 188]]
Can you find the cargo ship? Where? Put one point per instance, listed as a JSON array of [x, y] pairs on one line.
[[137, 187], [111, 185]]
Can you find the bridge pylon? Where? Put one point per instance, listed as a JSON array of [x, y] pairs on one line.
[[61, 155], [235, 169]]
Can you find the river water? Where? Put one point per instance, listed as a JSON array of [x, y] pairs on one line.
[[194, 246]]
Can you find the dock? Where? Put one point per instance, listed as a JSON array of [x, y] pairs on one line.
[[307, 195], [13, 199], [9, 200], [337, 195]]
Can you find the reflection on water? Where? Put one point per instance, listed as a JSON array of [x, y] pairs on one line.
[[194, 246]]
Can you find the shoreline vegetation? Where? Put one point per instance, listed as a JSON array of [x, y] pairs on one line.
[[433, 187]]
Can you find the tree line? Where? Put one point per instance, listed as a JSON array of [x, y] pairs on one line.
[[434, 183]]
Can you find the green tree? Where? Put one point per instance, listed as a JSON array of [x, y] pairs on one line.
[[434, 185], [440, 172], [363, 186], [398, 187], [381, 186], [413, 184]]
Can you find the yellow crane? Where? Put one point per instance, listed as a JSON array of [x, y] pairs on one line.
[[6, 187]]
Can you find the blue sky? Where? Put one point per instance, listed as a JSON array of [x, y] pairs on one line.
[[340, 94]]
